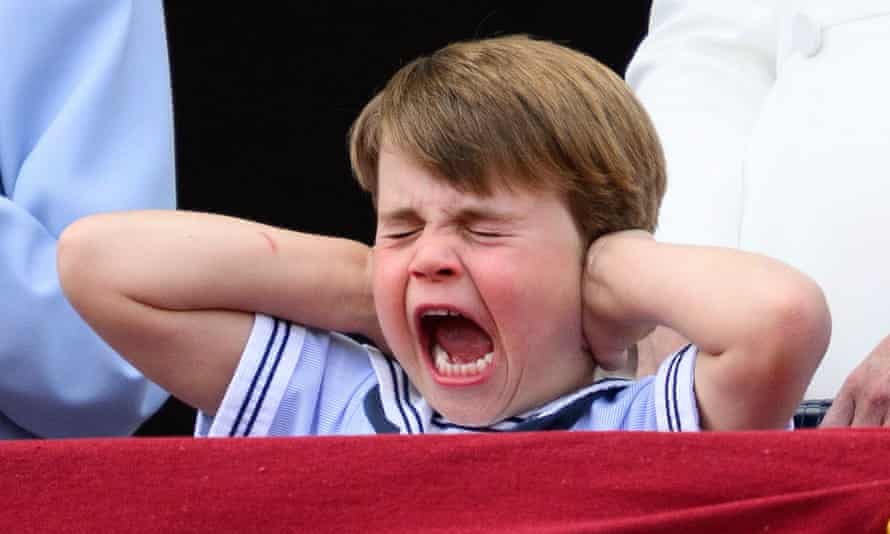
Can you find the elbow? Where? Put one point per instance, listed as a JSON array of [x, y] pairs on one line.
[[70, 257], [78, 258], [799, 326], [785, 338]]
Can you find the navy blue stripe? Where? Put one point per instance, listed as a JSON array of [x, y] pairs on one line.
[[374, 413], [562, 419], [408, 401], [470, 428], [566, 417], [253, 382], [259, 403], [667, 392], [439, 420], [676, 397], [395, 389]]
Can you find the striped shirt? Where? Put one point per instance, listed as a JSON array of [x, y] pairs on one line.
[[297, 381]]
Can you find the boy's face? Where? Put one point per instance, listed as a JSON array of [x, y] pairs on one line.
[[479, 297]]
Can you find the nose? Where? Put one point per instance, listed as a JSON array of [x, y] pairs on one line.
[[435, 260]]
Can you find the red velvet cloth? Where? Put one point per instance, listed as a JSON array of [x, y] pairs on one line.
[[549, 482]]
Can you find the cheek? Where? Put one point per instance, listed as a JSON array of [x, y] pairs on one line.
[[541, 299], [541, 276], [388, 283]]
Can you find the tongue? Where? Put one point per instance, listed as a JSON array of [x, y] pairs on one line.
[[462, 339]]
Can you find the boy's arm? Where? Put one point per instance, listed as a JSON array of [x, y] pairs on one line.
[[760, 326], [174, 292]]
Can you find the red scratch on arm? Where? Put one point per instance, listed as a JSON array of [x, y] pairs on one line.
[[270, 241]]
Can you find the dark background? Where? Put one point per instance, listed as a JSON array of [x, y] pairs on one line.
[[263, 97]]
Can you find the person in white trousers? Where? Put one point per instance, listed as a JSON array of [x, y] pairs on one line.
[[775, 121]]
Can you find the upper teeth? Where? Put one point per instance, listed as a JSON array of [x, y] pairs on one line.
[[441, 313]]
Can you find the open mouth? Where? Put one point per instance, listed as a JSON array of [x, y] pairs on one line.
[[458, 348]]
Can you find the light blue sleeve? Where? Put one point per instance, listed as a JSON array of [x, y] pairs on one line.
[[665, 402], [85, 127], [676, 406], [294, 381]]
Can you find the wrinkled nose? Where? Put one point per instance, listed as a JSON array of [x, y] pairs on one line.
[[435, 260]]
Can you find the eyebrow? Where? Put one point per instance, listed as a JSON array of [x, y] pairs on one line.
[[471, 215], [399, 216]]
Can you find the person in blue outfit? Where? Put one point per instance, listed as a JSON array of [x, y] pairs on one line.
[[513, 180], [85, 127]]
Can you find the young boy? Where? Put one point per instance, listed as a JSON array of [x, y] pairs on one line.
[[515, 182]]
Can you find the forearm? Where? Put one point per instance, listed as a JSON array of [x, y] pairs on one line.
[[761, 327], [718, 298], [185, 261]]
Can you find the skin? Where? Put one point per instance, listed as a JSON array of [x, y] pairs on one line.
[[484, 257], [174, 293], [760, 326], [169, 290], [864, 399]]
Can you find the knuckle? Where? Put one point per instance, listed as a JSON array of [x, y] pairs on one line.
[[879, 397]]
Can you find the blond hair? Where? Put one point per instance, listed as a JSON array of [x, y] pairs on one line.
[[514, 111]]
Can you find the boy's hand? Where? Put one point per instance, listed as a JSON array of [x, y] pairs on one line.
[[610, 325]]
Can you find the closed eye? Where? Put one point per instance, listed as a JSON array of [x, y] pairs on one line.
[[400, 235], [485, 234], [480, 233]]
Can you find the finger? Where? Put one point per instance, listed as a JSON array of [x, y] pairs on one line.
[[870, 412], [841, 412]]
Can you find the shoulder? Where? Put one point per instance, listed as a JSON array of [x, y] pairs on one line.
[[673, 392], [664, 402], [293, 380]]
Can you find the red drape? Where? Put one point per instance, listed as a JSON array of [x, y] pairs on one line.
[[807, 481]]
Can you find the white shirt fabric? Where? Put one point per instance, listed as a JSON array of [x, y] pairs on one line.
[[775, 120], [295, 381]]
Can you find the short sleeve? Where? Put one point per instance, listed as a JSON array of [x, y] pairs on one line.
[[676, 409], [292, 380]]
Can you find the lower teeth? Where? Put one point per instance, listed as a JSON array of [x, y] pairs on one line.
[[445, 367]]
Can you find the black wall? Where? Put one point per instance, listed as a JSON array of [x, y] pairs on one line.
[[264, 95]]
